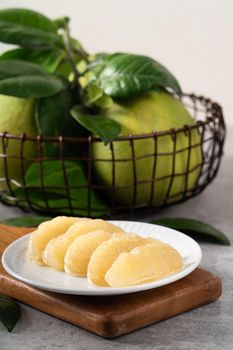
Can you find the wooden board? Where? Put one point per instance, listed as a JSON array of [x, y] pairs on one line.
[[112, 316]]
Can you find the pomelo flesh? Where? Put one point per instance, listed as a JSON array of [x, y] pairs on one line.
[[144, 264], [106, 253], [79, 252], [56, 249], [44, 233]]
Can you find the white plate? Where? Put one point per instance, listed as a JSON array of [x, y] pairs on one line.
[[15, 263]]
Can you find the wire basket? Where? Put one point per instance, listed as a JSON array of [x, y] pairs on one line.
[[71, 183]]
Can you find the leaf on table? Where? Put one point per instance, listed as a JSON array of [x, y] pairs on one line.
[[9, 312], [25, 79], [56, 193], [53, 118], [28, 28], [49, 59], [195, 228], [25, 220], [104, 127], [125, 76]]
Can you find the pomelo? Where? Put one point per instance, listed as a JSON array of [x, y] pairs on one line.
[[154, 111], [16, 117]]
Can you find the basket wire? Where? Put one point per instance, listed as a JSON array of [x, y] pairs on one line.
[[209, 125]]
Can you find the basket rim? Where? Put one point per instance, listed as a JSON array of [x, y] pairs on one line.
[[91, 138]]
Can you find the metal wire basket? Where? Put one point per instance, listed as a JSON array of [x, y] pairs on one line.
[[56, 188]]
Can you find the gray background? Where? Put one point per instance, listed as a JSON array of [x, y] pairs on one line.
[[205, 328]]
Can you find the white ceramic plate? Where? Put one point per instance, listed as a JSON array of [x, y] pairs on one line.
[[15, 263]]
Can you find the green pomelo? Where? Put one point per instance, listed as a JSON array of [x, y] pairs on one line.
[[154, 111], [16, 117]]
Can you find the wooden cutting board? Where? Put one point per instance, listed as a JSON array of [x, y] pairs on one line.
[[112, 316]]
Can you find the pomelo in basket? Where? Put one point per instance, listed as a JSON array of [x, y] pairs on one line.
[[153, 111], [16, 117]]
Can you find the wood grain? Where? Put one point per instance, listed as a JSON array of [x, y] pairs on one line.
[[112, 316]]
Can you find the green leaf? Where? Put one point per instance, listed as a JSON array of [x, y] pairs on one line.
[[51, 113], [53, 176], [9, 312], [107, 129], [25, 220], [15, 54], [126, 76], [28, 18], [31, 86], [81, 66], [49, 59], [25, 79], [97, 62], [94, 92], [79, 50], [30, 38], [53, 118], [65, 69], [28, 29], [194, 228], [17, 68], [104, 102], [96, 97]]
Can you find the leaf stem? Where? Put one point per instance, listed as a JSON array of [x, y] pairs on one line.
[[70, 53], [81, 52], [71, 58]]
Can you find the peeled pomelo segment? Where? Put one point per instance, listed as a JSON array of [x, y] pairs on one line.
[[55, 251], [107, 252], [93, 225], [79, 252], [143, 264], [44, 233]]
